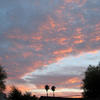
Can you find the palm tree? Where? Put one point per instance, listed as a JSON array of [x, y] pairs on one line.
[[53, 89], [47, 88]]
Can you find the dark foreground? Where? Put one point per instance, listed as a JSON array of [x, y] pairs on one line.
[[61, 98]]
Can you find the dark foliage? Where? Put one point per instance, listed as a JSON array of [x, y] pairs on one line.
[[91, 82], [28, 96], [59, 98], [15, 94], [53, 88], [3, 76]]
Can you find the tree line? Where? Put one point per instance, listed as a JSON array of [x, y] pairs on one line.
[[16, 94], [90, 85]]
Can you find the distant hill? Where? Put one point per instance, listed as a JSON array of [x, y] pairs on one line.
[[58, 98]]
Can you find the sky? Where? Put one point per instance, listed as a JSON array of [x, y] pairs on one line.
[[49, 42]]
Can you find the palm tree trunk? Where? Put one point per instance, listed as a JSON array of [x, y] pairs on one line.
[[47, 93], [53, 94]]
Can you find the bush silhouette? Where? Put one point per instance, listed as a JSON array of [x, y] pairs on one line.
[[15, 94], [28, 96]]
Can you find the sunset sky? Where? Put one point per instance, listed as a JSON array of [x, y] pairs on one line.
[[49, 42]]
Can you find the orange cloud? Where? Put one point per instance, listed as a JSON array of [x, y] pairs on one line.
[[69, 50], [97, 38], [37, 47], [62, 41], [73, 80], [93, 52], [27, 54], [78, 41], [36, 37], [71, 1], [52, 22]]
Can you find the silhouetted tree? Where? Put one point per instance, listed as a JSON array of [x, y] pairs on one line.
[[47, 88], [53, 89], [15, 94], [3, 76], [91, 82]]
